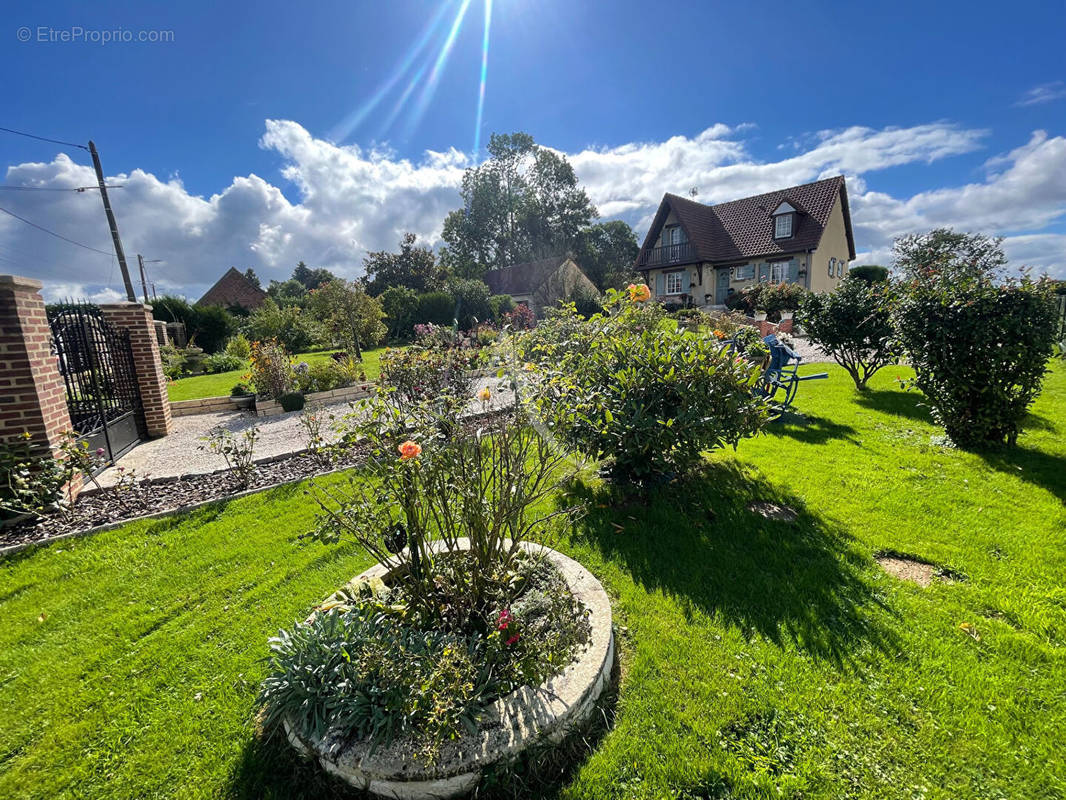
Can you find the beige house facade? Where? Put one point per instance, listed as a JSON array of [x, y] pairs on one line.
[[699, 255]]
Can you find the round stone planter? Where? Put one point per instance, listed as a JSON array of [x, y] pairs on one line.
[[530, 715]]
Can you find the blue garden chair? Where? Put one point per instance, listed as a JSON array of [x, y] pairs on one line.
[[780, 379]]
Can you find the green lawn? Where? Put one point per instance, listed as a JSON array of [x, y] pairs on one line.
[[220, 384], [759, 658]]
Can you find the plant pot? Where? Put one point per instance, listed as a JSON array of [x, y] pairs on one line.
[[786, 315], [242, 401], [528, 717], [760, 316]]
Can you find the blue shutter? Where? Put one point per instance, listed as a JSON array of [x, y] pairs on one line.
[[684, 282], [793, 271], [764, 273], [659, 285]]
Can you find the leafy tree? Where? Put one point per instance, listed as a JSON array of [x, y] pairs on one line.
[[871, 273], [311, 278], [436, 307], [414, 267], [979, 345], [523, 202], [400, 305], [606, 253], [287, 293], [251, 276], [289, 326], [471, 300], [170, 308], [853, 325], [500, 304], [952, 254], [212, 326], [352, 317]]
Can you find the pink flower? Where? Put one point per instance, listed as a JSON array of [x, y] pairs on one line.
[[514, 639], [504, 620], [100, 451]]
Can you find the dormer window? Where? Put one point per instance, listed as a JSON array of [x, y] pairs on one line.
[[784, 217]]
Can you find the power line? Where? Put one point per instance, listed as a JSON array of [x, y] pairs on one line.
[[43, 138], [53, 233], [57, 189]]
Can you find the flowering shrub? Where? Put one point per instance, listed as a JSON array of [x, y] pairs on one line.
[[236, 451], [853, 325], [440, 336], [239, 347], [623, 387], [272, 371], [324, 376], [979, 348], [419, 374], [520, 318]]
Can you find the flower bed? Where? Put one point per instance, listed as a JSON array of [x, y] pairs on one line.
[[514, 723]]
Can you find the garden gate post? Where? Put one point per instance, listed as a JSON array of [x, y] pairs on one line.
[[33, 397], [152, 383]]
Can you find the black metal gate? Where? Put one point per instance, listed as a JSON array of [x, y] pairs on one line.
[[96, 361]]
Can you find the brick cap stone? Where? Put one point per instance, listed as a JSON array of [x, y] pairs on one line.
[[19, 282], [515, 722], [124, 304]]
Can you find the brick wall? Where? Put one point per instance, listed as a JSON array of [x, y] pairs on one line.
[[137, 319]]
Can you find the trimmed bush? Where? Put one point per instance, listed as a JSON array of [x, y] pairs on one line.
[[979, 350], [291, 401], [500, 304], [871, 273], [221, 362], [853, 325], [437, 308]]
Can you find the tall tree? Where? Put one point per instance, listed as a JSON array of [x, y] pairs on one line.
[[311, 278], [950, 254], [251, 276], [606, 253], [414, 267], [353, 317], [524, 202]]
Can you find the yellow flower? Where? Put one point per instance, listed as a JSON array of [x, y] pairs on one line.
[[529, 367], [484, 395], [409, 450]]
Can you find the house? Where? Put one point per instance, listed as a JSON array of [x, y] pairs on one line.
[[540, 284], [695, 254], [233, 289]]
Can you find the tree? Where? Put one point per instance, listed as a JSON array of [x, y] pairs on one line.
[[251, 276], [606, 253], [311, 278], [871, 273], [352, 317], [400, 305], [289, 325], [413, 267], [287, 293], [471, 301], [523, 202], [953, 255], [853, 325]]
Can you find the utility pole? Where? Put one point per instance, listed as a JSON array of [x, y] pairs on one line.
[[144, 281], [114, 225]]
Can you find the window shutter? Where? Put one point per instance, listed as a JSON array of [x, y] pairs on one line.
[[832, 266], [764, 273], [793, 271], [685, 277], [659, 284]]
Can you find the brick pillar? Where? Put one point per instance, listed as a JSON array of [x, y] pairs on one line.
[[785, 326], [137, 319], [33, 397]]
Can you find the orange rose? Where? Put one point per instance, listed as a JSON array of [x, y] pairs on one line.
[[409, 450], [484, 395], [638, 292]]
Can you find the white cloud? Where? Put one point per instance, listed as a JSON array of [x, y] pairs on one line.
[[350, 200], [1044, 93]]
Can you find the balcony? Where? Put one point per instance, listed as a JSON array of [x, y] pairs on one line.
[[683, 253]]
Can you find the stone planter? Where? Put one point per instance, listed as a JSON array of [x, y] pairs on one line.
[[515, 722], [786, 315], [242, 401], [760, 316]]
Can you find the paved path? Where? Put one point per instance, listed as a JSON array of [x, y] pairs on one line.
[[180, 453]]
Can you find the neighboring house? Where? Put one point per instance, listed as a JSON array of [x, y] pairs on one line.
[[696, 254], [540, 284], [233, 289]]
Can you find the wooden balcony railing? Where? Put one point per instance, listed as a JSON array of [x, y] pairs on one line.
[[669, 254]]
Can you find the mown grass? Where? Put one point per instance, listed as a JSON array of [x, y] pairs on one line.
[[759, 658], [220, 384]]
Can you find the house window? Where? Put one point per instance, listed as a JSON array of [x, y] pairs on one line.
[[673, 283], [745, 272], [779, 272], [782, 226], [832, 267]]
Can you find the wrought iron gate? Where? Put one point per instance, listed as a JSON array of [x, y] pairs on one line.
[[96, 362]]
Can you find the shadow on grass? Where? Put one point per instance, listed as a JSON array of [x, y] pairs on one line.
[[809, 429], [1045, 470], [896, 403], [799, 583]]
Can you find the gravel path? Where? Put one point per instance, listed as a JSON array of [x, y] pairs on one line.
[[811, 353], [179, 453]]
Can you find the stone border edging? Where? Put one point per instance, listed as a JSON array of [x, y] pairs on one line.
[[512, 724]]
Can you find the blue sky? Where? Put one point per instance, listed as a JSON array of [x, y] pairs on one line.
[[938, 113]]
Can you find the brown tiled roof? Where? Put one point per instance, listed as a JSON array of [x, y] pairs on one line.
[[524, 278], [744, 228], [233, 289]]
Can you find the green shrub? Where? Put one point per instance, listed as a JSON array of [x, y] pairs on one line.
[[979, 349], [291, 326], [424, 374], [239, 347], [871, 273], [436, 308], [471, 301], [401, 309], [853, 325], [272, 372], [324, 376], [291, 401], [623, 387], [212, 326], [500, 304], [173, 361], [31, 480], [221, 362]]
